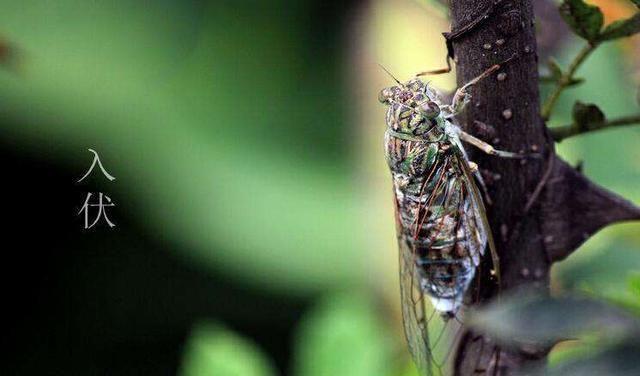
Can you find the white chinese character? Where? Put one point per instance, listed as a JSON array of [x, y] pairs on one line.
[[96, 159], [101, 210]]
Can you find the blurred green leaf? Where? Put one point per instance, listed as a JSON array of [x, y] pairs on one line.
[[621, 29], [636, 2], [261, 194], [214, 350], [620, 360], [343, 335], [538, 319], [630, 299], [586, 115], [573, 349], [586, 20]]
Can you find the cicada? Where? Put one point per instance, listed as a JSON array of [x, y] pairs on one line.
[[440, 214]]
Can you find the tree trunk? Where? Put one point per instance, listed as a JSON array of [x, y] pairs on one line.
[[567, 210]]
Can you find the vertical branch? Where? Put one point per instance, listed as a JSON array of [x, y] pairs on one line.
[[509, 101]]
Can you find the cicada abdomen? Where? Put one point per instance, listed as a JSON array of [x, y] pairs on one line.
[[442, 230]]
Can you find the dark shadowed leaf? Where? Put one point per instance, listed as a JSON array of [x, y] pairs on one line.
[[585, 20], [636, 2], [620, 360], [586, 115], [576, 81], [537, 319], [621, 29]]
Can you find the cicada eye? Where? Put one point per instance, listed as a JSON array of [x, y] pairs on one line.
[[386, 95], [429, 109]]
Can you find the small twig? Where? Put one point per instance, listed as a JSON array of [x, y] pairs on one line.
[[560, 133], [566, 79]]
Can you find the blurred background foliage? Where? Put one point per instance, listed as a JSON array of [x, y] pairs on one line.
[[254, 232]]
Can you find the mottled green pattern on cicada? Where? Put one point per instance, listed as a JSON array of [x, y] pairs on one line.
[[442, 231]]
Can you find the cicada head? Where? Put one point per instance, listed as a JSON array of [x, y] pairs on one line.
[[412, 107]]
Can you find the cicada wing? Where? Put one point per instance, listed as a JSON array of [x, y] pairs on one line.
[[414, 316], [420, 318], [478, 232], [477, 217]]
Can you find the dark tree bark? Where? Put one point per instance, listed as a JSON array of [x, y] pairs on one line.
[[566, 211]]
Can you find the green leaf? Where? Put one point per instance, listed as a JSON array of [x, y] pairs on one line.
[[530, 318], [621, 29], [555, 69], [214, 350], [343, 335], [575, 81], [636, 2], [630, 297], [585, 20], [586, 115]]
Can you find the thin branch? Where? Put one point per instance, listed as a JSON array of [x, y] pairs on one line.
[[566, 80], [561, 133]]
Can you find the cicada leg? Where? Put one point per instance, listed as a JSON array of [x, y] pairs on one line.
[[473, 167], [462, 96], [488, 148], [437, 71]]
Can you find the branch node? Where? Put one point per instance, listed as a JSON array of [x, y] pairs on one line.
[[573, 208]]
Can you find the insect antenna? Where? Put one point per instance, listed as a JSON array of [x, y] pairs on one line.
[[391, 75]]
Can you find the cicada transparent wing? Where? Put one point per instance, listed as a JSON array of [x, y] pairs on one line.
[[414, 312], [457, 235], [480, 216]]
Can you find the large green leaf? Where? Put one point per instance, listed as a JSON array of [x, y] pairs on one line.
[[586, 20]]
